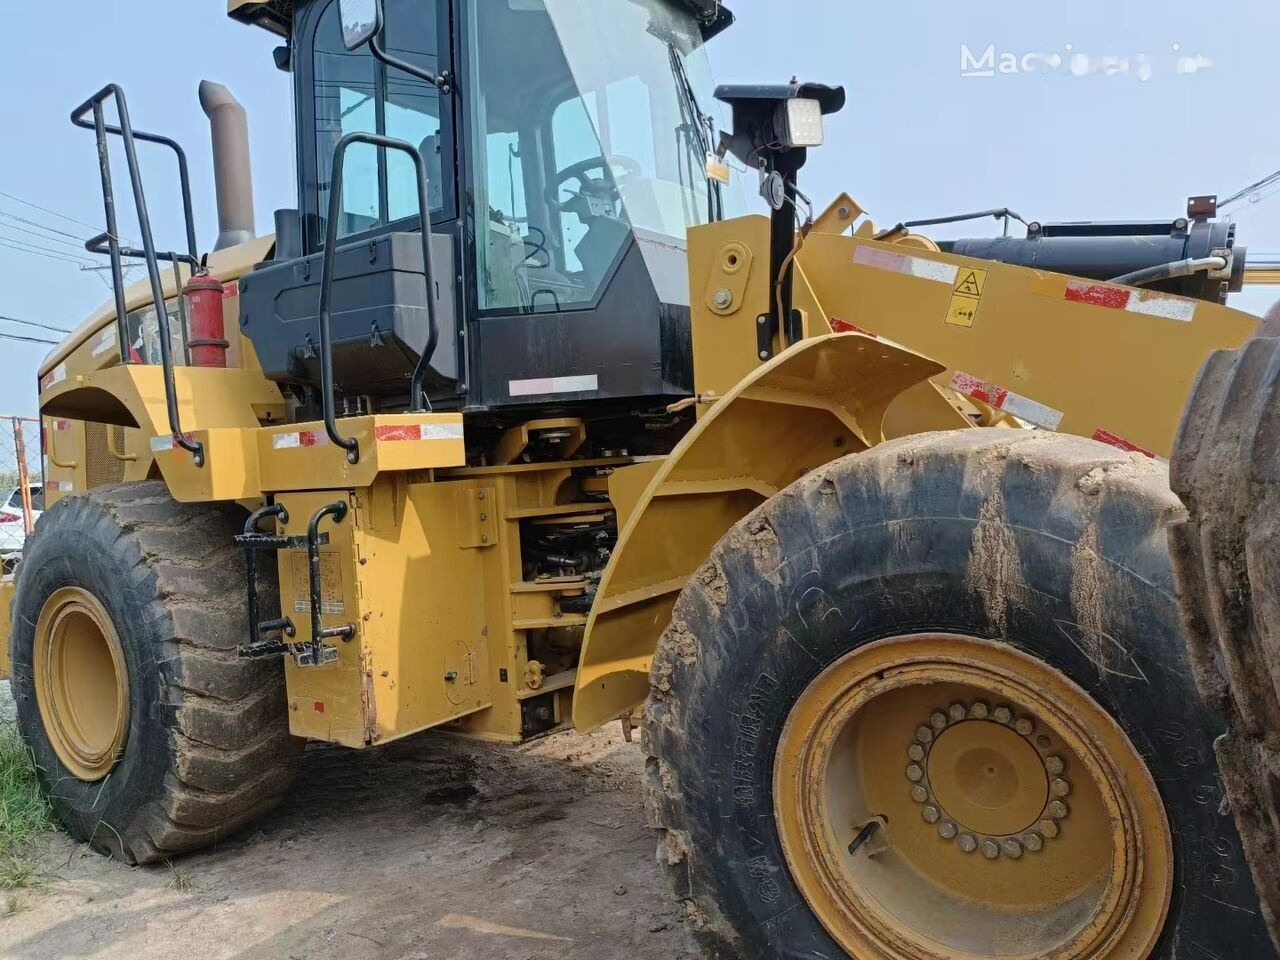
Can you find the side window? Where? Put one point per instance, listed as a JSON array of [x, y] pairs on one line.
[[354, 92]]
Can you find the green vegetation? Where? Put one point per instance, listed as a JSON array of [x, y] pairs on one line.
[[23, 811]]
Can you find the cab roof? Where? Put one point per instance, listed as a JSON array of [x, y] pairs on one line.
[[277, 15]]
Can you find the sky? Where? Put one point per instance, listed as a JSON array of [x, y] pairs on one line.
[[917, 139]]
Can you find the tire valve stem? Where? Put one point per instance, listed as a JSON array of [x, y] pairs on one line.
[[869, 830]]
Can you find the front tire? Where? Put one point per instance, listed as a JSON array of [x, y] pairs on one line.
[[150, 736], [840, 634]]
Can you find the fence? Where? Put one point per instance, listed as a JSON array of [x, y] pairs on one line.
[[21, 485]]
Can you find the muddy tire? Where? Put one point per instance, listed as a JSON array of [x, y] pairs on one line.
[[1036, 549], [152, 591]]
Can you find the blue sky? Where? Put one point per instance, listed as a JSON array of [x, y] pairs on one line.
[[916, 140]]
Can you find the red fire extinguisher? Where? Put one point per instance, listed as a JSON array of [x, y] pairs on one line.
[[206, 334]]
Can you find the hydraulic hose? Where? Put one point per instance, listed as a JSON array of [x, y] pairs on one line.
[[1169, 271]]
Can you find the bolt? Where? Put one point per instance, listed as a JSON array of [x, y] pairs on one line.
[[1060, 787], [990, 849], [484, 538], [762, 319], [931, 814], [1001, 714], [956, 712], [980, 710], [1180, 224], [919, 793], [723, 298], [1043, 742], [480, 495], [1054, 766], [915, 752], [1048, 827], [1058, 810], [947, 830], [915, 773], [1033, 841], [1012, 849], [938, 720], [1024, 726], [844, 213], [484, 517], [967, 843], [924, 734], [764, 354]]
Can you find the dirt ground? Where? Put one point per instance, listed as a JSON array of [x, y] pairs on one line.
[[434, 849]]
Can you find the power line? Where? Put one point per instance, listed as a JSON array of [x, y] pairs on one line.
[[54, 213], [41, 226], [78, 247], [15, 336], [32, 323], [40, 251]]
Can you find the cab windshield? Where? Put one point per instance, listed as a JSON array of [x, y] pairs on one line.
[[591, 121]]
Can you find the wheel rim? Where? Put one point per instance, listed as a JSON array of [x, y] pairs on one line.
[[82, 686], [993, 808]]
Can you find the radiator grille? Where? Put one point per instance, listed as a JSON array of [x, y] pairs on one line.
[[100, 467]]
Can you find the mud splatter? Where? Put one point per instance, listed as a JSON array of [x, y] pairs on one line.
[[995, 571], [712, 579], [1087, 576]]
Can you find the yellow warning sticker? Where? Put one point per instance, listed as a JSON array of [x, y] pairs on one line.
[[966, 296]]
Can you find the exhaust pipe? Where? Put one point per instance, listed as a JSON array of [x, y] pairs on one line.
[[233, 179]]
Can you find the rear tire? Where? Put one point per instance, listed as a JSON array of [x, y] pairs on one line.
[[204, 745], [972, 534]]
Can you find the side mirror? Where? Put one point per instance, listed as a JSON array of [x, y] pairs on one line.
[[361, 21]]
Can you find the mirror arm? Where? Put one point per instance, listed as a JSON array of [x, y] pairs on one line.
[[442, 81]]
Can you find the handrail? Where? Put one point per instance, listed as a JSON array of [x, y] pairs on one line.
[[125, 131], [417, 395]]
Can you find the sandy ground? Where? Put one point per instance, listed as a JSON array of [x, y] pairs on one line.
[[434, 849]]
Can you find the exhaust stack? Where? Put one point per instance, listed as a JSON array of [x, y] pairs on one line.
[[233, 179]]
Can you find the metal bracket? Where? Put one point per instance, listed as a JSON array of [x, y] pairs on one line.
[[764, 337]]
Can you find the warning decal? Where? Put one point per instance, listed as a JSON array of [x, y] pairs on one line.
[[966, 296]]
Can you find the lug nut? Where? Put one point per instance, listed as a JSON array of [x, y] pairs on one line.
[[1024, 726], [1060, 787], [938, 720], [967, 843], [1012, 849], [990, 849], [980, 710], [1048, 827], [1033, 841], [1058, 810], [1054, 766], [915, 752], [956, 712], [924, 734], [1001, 714], [915, 773], [919, 794], [947, 830], [931, 814]]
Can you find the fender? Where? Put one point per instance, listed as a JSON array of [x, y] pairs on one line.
[[821, 399]]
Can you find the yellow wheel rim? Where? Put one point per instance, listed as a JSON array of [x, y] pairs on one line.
[[82, 685], [941, 797]]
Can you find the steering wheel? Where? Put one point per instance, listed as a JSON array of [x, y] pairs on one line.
[[607, 187]]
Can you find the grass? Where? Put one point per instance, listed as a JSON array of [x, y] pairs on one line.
[[23, 814]]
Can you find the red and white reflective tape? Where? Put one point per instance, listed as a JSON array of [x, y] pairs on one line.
[[920, 267], [1106, 436], [166, 443], [1012, 403], [1134, 301], [54, 376], [230, 290], [844, 326], [62, 425], [419, 431], [62, 486], [303, 438]]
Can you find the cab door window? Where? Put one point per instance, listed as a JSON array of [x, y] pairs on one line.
[[355, 92]]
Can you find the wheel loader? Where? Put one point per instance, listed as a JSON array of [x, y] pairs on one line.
[[519, 420]]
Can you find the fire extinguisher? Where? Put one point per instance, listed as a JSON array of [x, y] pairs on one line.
[[206, 334]]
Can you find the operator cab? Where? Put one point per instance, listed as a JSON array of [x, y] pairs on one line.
[[566, 146]]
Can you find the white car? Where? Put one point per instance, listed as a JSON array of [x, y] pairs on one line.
[[13, 532]]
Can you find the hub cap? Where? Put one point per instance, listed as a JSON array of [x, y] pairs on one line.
[[81, 683], [944, 796]]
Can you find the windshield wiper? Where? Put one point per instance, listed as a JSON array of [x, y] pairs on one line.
[[699, 127]]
